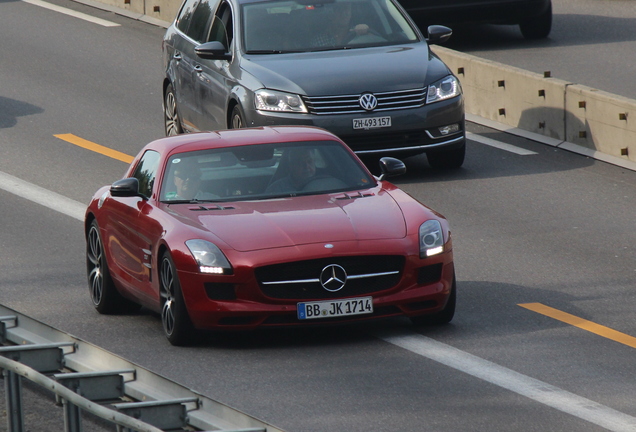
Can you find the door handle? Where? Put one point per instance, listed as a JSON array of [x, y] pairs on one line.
[[198, 69], [176, 56]]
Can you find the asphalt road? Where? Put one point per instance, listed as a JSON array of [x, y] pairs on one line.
[[545, 229]]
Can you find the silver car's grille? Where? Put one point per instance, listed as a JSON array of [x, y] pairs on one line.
[[350, 104]]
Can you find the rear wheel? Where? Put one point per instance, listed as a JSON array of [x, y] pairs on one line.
[[105, 297], [174, 315], [445, 315], [171, 121], [450, 159], [537, 27]]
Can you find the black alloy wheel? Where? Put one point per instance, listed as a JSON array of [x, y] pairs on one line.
[[174, 316], [104, 295], [442, 317]]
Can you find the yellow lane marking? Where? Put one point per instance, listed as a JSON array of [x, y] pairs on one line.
[[581, 323], [73, 139]]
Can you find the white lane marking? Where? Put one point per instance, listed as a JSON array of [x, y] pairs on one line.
[[539, 391], [72, 13], [498, 144], [42, 196]]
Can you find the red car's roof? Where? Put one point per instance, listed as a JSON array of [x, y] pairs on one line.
[[238, 137]]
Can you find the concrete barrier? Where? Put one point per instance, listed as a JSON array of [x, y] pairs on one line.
[[573, 116]]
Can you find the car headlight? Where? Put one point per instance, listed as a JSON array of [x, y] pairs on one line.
[[445, 88], [431, 239], [209, 257], [270, 100]]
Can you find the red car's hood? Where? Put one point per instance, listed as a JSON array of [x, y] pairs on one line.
[[276, 223]]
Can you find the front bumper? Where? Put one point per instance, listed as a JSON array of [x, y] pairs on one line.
[[412, 131], [239, 302]]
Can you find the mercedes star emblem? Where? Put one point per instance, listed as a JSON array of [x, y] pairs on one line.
[[333, 277]]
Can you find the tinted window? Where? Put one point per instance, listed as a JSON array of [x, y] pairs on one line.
[[264, 171], [222, 28], [183, 21], [200, 22], [287, 25], [146, 172]]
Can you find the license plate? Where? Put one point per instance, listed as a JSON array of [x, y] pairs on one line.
[[372, 122], [335, 308]]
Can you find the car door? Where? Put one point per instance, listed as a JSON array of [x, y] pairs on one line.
[[194, 24], [133, 229], [215, 80]]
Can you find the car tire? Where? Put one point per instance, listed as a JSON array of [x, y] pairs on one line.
[[237, 119], [171, 119], [174, 315], [104, 295], [449, 159], [537, 27], [442, 317]]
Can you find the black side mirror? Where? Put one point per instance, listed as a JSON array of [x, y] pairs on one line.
[[438, 34], [214, 50], [391, 167], [128, 187]]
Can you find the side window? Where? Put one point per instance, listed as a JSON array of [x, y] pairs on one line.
[[200, 20], [222, 28], [185, 15], [146, 172]]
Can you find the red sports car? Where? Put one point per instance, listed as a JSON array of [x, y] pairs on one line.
[[249, 228]]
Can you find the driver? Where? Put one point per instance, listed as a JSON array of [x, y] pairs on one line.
[[338, 31], [302, 169]]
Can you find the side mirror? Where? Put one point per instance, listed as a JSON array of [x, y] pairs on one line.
[[214, 50], [391, 167], [128, 187], [438, 34]]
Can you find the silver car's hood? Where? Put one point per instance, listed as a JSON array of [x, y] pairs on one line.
[[349, 71]]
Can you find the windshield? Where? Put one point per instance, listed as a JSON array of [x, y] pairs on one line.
[[261, 172], [290, 26]]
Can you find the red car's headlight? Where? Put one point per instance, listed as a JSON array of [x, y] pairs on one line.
[[209, 257]]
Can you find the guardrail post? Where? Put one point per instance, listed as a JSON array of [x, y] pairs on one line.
[[13, 393]]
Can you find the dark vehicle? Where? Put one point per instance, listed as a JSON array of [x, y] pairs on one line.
[[358, 68], [534, 17]]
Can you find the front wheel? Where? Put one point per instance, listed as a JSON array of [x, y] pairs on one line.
[[171, 121], [537, 27], [105, 297], [445, 315], [174, 315], [237, 119]]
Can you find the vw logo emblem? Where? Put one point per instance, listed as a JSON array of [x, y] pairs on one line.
[[333, 277], [368, 102]]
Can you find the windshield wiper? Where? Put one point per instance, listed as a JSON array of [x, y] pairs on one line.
[[271, 51]]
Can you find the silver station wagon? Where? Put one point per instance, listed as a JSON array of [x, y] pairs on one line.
[[358, 68]]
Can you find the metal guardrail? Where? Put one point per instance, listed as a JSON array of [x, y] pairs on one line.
[[87, 378]]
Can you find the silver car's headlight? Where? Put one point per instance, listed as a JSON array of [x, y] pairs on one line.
[[445, 88], [209, 257], [271, 100], [431, 238]]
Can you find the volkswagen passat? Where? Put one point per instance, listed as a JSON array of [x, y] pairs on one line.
[[358, 68], [264, 227]]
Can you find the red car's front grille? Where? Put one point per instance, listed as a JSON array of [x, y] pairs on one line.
[[300, 280]]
